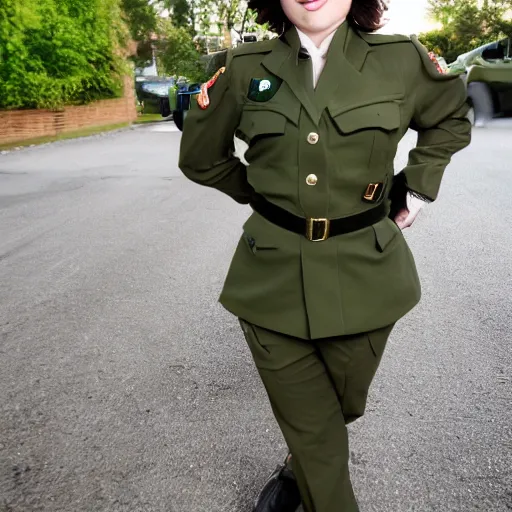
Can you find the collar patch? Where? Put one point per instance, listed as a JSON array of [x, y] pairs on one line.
[[263, 89]]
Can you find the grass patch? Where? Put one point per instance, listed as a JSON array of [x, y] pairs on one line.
[[150, 118], [85, 132]]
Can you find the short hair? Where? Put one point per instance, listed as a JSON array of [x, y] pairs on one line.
[[366, 15]]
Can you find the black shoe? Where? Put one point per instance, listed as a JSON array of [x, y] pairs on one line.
[[280, 493]]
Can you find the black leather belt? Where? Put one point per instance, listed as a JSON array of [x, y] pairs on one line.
[[317, 230]]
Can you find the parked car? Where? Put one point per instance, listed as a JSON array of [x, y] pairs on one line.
[[180, 97], [153, 94], [487, 71]]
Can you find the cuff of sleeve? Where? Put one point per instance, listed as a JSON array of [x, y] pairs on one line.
[[415, 203], [423, 197]]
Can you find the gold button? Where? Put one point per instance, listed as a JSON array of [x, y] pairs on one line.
[[313, 138], [312, 180]]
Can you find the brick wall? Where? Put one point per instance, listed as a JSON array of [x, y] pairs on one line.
[[19, 125]]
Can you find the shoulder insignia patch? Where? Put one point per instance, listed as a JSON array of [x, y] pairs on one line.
[[433, 58], [203, 99]]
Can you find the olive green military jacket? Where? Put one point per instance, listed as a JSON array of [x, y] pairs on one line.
[[345, 132]]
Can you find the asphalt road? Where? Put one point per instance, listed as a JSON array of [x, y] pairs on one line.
[[124, 386]]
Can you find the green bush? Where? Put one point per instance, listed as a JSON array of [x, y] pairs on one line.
[[59, 52], [441, 43]]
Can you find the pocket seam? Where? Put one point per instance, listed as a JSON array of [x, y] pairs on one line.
[[390, 98], [255, 248], [350, 121], [372, 348], [390, 243], [251, 128], [249, 331], [274, 108]]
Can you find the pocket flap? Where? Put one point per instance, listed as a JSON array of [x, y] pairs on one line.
[[261, 122], [385, 232], [377, 115]]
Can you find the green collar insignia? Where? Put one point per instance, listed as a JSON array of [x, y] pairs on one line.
[[263, 89]]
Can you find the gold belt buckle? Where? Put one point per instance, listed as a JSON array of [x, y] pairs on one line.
[[317, 230]]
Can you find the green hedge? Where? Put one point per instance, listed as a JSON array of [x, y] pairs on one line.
[[60, 52]]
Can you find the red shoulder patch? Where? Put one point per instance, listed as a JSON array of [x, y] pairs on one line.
[[203, 99], [433, 58]]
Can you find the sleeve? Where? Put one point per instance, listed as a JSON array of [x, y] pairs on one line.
[[207, 149], [439, 117]]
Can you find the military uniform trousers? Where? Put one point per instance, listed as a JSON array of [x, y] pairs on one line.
[[316, 388]]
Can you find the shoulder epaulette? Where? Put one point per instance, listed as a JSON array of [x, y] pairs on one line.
[[223, 58], [252, 48], [429, 65], [384, 38]]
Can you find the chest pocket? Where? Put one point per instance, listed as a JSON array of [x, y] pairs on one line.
[[383, 116], [374, 130], [260, 123]]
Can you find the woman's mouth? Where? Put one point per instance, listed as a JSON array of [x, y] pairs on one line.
[[313, 5]]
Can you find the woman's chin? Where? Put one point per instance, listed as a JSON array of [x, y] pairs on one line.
[[318, 26]]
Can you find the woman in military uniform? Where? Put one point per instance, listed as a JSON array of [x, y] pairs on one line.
[[305, 128]]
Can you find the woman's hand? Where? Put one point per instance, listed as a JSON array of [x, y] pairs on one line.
[[405, 219], [406, 216]]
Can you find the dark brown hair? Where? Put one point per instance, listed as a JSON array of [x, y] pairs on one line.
[[366, 15]]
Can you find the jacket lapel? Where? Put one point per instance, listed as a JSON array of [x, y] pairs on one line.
[[341, 78], [283, 62], [353, 79]]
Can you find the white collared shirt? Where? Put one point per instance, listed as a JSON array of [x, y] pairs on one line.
[[318, 56]]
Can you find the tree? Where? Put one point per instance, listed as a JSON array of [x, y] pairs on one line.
[[200, 13], [229, 13], [250, 22], [448, 12], [142, 20], [182, 13], [177, 53], [466, 24], [141, 17]]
